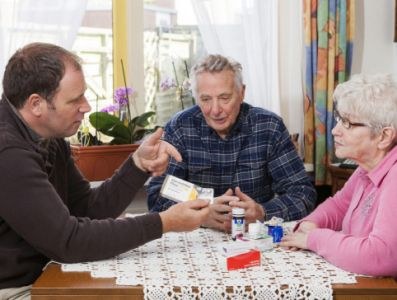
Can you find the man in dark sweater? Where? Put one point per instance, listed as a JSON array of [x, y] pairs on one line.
[[47, 209]]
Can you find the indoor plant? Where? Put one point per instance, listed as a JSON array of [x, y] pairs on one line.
[[173, 94], [97, 159], [115, 121]]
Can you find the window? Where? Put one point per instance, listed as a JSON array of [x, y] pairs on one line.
[[94, 45], [172, 43]]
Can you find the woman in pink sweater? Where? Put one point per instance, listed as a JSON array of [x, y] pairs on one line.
[[356, 229]]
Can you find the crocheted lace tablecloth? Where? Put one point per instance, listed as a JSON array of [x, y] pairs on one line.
[[192, 263]]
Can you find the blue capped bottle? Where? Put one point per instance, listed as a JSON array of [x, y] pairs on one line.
[[238, 222]]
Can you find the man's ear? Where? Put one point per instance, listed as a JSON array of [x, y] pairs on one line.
[[242, 93], [34, 104], [387, 138]]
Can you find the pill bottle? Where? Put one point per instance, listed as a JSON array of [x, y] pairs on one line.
[[255, 231], [238, 222]]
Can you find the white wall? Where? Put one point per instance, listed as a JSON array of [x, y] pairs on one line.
[[374, 50]]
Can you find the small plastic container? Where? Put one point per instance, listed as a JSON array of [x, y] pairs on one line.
[[255, 231], [277, 234], [238, 222], [270, 230]]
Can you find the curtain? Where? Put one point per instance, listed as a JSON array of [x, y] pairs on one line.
[[247, 31], [266, 36], [291, 62], [329, 30], [395, 22], [25, 21]]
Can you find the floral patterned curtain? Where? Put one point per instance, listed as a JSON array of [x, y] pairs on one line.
[[329, 30]]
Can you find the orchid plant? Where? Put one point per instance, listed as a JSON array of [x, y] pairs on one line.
[[183, 88], [116, 122]]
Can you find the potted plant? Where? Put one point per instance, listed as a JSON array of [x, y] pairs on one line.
[[173, 95], [98, 160]]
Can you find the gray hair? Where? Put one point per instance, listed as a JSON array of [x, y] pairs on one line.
[[372, 98], [215, 63]]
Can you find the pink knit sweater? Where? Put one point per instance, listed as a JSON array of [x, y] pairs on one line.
[[358, 225]]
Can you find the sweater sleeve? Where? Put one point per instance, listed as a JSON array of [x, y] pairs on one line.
[[373, 254], [157, 203], [110, 198], [33, 209]]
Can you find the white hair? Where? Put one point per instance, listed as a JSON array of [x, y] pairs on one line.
[[371, 98], [215, 63]]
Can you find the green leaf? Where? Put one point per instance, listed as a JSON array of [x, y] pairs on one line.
[[139, 134], [103, 121], [132, 125], [143, 120], [110, 125], [119, 131]]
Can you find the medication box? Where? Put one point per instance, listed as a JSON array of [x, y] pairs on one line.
[[244, 253], [180, 190], [248, 259]]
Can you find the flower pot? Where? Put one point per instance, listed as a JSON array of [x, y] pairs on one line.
[[100, 162]]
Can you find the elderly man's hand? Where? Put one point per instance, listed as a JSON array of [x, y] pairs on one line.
[[220, 212], [253, 210], [153, 154]]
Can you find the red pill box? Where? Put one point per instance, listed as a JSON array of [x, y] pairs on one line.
[[248, 259]]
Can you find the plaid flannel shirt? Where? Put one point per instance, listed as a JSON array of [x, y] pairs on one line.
[[257, 156]]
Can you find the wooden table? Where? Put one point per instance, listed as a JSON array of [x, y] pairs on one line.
[[55, 284]]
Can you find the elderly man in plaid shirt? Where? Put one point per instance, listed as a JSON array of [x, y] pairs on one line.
[[245, 153]]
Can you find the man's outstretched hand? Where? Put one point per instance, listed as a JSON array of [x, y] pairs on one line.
[[153, 154]]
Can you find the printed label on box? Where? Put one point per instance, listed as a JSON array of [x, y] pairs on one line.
[[180, 190]]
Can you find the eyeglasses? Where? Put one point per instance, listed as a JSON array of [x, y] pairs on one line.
[[345, 122]]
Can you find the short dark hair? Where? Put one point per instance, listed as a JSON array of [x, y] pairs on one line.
[[36, 68]]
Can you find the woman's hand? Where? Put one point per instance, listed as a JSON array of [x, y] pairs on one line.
[[295, 241], [306, 226], [298, 239]]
